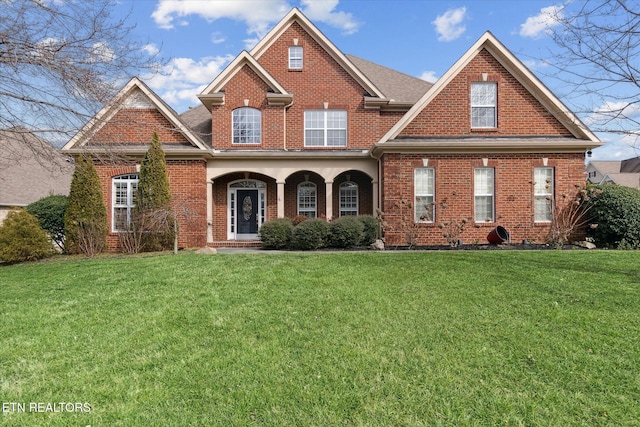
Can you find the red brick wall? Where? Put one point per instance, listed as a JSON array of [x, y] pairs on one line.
[[136, 125], [454, 184], [519, 113], [187, 180]]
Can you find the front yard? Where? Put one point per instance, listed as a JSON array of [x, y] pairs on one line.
[[541, 338]]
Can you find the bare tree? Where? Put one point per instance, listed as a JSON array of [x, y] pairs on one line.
[[60, 62], [599, 57]]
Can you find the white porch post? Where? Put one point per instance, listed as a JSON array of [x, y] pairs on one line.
[[329, 199], [209, 211], [280, 199]]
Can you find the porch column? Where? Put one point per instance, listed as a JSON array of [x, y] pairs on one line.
[[329, 199], [376, 202], [280, 199], [209, 211]]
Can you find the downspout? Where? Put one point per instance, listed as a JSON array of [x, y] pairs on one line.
[[284, 119]]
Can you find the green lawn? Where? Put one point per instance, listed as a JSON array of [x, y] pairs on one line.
[[455, 338]]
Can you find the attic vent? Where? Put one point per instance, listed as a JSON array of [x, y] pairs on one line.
[[137, 99]]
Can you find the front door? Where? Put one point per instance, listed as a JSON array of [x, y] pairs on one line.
[[246, 213]]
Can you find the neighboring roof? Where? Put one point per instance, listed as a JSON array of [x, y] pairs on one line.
[[519, 71], [298, 17], [394, 85], [631, 165], [624, 179], [30, 169], [605, 167], [133, 87]]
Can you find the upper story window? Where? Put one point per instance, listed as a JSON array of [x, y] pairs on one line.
[[247, 125], [124, 200], [484, 102], [423, 188], [325, 128], [543, 194], [295, 57], [307, 199], [483, 195]]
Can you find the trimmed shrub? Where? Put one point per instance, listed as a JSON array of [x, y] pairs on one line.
[[85, 219], [276, 233], [370, 231], [22, 239], [615, 216], [153, 201], [311, 234], [346, 232], [50, 213]]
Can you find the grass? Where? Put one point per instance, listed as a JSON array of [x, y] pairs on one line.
[[467, 338]]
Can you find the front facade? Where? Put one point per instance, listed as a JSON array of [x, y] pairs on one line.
[[296, 128]]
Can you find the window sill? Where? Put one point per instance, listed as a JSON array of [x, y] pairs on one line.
[[480, 130]]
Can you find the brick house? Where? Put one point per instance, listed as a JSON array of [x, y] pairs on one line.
[[296, 127]]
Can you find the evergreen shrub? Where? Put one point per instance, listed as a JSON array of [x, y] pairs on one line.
[[346, 232], [311, 234], [615, 216], [370, 231], [22, 239], [50, 213], [276, 233]]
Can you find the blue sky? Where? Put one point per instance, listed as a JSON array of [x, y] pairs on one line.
[[420, 38]]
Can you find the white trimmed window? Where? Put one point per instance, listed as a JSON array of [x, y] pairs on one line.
[[247, 125], [483, 195], [325, 128], [423, 188], [484, 98], [307, 196], [348, 198], [543, 194], [295, 57], [123, 201]]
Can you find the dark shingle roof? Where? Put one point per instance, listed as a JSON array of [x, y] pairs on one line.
[[394, 84]]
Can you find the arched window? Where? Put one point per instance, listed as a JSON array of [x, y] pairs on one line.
[[123, 200], [247, 125], [307, 196], [348, 198]]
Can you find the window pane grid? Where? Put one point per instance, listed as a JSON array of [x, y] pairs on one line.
[[295, 57], [307, 199], [483, 194], [247, 126], [483, 105], [424, 194], [348, 198], [325, 128], [124, 195], [543, 194]]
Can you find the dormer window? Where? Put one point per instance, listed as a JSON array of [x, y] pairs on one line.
[[295, 57], [484, 102]]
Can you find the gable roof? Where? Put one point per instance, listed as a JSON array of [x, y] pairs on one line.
[[211, 94], [128, 93], [295, 15], [512, 64], [605, 166]]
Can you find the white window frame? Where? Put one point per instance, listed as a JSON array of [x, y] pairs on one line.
[[130, 183], [246, 126], [295, 57], [543, 190], [424, 194], [307, 199], [349, 198], [483, 191], [330, 125], [481, 104]]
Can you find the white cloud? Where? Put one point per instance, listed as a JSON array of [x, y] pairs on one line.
[[259, 15], [429, 76], [324, 11], [101, 52], [450, 26], [151, 49], [541, 24], [182, 79], [217, 38]]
